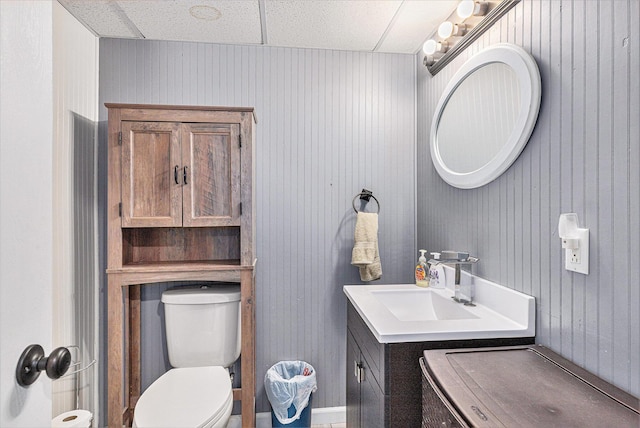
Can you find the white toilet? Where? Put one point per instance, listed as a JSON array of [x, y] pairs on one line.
[[203, 340]]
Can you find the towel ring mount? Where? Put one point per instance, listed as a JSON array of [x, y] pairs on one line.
[[366, 196]]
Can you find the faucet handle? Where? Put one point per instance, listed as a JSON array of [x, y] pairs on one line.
[[454, 255], [452, 262]]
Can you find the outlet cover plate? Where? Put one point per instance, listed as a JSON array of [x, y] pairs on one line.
[[582, 253]]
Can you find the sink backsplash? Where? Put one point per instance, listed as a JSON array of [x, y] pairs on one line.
[[491, 294]]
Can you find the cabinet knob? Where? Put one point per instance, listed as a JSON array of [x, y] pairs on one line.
[[175, 174], [184, 175]]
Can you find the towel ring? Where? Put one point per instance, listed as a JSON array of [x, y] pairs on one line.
[[364, 195]]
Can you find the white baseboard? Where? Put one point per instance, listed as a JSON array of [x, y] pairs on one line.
[[319, 416]]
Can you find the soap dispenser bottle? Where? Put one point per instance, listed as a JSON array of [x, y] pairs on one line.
[[422, 271], [436, 272]]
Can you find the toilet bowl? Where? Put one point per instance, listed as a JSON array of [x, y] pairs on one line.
[[203, 339], [193, 397]]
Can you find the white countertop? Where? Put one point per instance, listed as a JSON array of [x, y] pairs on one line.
[[500, 312]]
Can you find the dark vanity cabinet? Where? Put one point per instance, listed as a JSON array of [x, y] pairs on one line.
[[384, 381]]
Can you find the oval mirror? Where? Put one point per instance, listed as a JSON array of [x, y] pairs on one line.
[[485, 116]]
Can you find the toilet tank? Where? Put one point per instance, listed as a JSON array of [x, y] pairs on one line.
[[202, 325]]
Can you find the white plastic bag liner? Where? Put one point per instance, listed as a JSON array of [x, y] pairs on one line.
[[285, 385]]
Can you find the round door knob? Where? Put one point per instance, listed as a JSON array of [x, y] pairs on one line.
[[27, 371], [58, 362], [32, 362]]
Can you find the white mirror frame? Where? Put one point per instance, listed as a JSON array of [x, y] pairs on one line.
[[528, 75]]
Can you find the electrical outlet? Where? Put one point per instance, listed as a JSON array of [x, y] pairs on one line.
[[574, 257], [577, 260]]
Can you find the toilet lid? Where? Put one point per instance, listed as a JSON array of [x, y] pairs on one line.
[[185, 397]]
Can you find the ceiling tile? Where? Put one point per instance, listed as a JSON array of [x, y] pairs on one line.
[[328, 24], [103, 17], [220, 21], [359, 25], [416, 20]]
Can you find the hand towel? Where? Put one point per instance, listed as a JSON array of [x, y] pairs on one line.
[[365, 252]]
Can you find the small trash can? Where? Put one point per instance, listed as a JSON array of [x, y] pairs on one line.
[[289, 385]]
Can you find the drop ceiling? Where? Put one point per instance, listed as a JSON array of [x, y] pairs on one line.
[[395, 26]]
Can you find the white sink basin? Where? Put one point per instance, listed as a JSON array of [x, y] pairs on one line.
[[398, 313], [416, 305]]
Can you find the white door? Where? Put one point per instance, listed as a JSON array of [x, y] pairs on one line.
[[26, 117]]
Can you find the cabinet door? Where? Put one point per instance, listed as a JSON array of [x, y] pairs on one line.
[[365, 401], [354, 361], [211, 174], [372, 401], [151, 197]]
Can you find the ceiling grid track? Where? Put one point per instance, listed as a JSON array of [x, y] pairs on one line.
[[263, 21], [389, 27], [117, 10]]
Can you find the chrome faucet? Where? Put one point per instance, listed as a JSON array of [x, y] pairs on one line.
[[462, 293]]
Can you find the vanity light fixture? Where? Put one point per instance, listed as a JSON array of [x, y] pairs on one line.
[[459, 30], [449, 29], [469, 8], [433, 51], [460, 34], [445, 30], [575, 241], [431, 47]]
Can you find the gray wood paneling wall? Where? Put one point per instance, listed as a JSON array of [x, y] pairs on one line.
[[74, 288], [329, 124], [84, 260], [583, 157]]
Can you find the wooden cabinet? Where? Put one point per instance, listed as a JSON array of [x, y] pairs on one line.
[[180, 174], [384, 380], [180, 208]]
